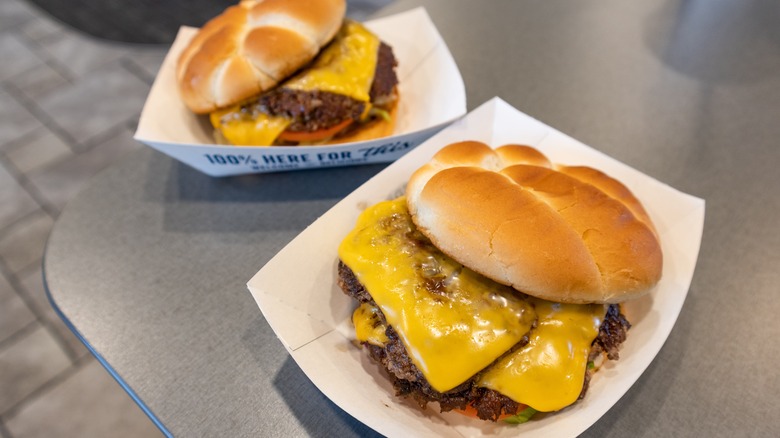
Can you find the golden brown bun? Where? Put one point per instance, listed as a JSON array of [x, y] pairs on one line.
[[565, 234], [251, 47]]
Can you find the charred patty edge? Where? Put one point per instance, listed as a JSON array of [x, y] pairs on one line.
[[409, 382]]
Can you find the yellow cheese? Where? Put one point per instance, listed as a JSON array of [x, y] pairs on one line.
[[346, 66], [455, 323], [548, 373], [368, 327], [452, 321], [260, 130]]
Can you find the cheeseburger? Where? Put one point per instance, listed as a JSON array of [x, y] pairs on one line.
[[494, 285], [289, 72]]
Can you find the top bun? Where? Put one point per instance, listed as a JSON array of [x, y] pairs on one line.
[[564, 234], [253, 46]]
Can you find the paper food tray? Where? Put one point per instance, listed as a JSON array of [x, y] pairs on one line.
[[431, 92], [311, 315]]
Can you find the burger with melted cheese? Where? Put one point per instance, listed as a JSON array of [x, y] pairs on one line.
[[494, 285], [289, 72]]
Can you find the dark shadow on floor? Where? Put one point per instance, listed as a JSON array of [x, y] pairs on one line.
[[137, 21]]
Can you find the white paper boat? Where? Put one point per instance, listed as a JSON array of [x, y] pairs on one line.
[[311, 316], [430, 85]]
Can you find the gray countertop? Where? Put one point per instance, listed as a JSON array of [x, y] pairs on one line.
[[149, 263]]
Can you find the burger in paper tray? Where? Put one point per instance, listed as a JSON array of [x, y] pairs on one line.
[[282, 85], [478, 276], [494, 285]]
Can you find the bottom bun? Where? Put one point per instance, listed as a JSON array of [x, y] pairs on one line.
[[369, 131]]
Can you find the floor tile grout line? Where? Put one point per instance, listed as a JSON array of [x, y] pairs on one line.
[[108, 134], [10, 79], [124, 50], [26, 271], [47, 386], [24, 181], [4, 432], [32, 106], [41, 53], [20, 221], [20, 334], [10, 147], [58, 33], [75, 146], [27, 186], [136, 70], [24, 138], [17, 27], [40, 317], [71, 354]]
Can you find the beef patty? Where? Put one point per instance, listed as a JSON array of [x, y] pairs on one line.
[[315, 110], [408, 381]]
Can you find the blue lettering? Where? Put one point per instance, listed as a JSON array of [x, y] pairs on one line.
[[385, 149], [285, 159], [334, 156]]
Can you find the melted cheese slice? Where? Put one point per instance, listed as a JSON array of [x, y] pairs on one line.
[[452, 321], [548, 373], [346, 66], [368, 327], [260, 130]]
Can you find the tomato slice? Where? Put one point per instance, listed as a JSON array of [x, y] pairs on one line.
[[469, 411], [320, 134]]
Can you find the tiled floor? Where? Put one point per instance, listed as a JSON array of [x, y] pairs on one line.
[[68, 108]]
